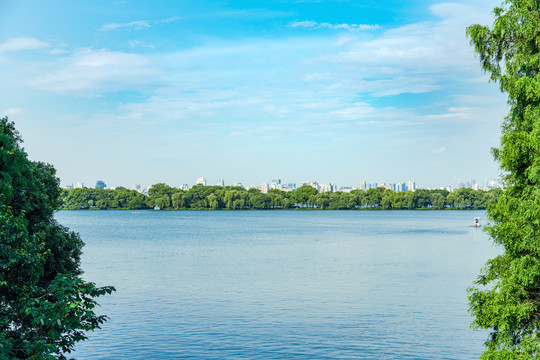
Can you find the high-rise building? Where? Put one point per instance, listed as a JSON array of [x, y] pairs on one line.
[[221, 183], [363, 186], [289, 187], [264, 187], [100, 184], [276, 184], [328, 187], [201, 181], [79, 185], [492, 184], [313, 184], [238, 183]]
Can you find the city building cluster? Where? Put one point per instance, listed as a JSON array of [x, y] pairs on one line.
[[328, 187]]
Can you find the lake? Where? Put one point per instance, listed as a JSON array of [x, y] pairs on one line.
[[282, 284]]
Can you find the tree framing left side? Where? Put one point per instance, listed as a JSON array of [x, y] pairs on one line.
[[45, 307]]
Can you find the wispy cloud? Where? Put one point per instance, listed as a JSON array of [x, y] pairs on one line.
[[252, 13], [324, 25], [438, 150], [89, 73], [479, 80], [359, 111], [22, 43], [168, 20], [58, 51], [410, 59], [401, 85], [353, 88], [139, 24], [480, 100], [455, 114], [136, 25], [13, 111], [138, 43], [466, 117]]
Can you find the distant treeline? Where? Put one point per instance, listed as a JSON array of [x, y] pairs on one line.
[[238, 198]]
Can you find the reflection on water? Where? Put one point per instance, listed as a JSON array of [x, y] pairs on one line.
[[282, 284]]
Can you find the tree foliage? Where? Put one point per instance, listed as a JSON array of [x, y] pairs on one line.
[[506, 298], [45, 308], [119, 198], [238, 198]]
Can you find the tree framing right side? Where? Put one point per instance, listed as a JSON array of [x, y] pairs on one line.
[[506, 297]]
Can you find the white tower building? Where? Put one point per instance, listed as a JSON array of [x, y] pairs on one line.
[[201, 181]]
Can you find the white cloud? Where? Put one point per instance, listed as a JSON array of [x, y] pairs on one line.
[[22, 43], [344, 40], [480, 100], [168, 20], [453, 10], [317, 76], [138, 43], [354, 82], [252, 13], [438, 150], [137, 25], [415, 58], [434, 46], [331, 77], [13, 111], [479, 80], [401, 85], [89, 73], [359, 111], [324, 25], [58, 51], [472, 116], [305, 24], [455, 113]]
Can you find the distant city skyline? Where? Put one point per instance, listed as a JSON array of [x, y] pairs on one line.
[[279, 184], [338, 91]]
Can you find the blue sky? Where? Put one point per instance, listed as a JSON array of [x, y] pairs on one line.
[[333, 91]]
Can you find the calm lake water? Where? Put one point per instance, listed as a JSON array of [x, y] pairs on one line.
[[282, 284]]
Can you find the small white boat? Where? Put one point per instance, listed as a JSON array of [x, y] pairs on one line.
[[476, 222]]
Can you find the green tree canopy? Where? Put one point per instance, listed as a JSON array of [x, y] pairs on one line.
[[217, 197], [302, 194], [45, 308], [506, 299]]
